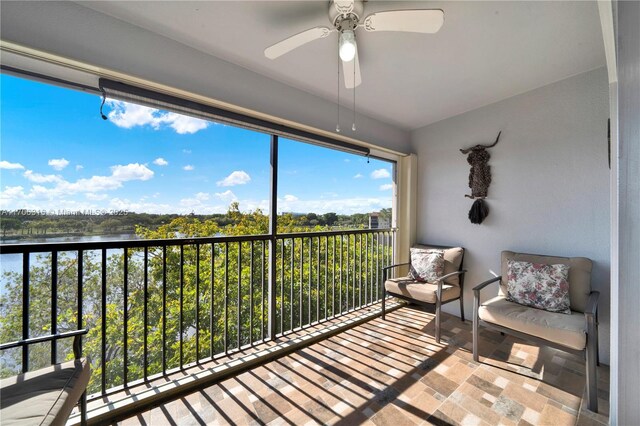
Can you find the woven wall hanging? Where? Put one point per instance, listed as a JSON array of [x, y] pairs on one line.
[[479, 179]]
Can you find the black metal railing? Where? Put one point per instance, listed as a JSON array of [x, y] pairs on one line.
[[155, 306]]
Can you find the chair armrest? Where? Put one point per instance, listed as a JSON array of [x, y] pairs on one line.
[[387, 268], [51, 337], [444, 277], [592, 305], [476, 289]]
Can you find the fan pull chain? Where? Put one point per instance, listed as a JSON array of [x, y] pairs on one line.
[[338, 121], [353, 126]]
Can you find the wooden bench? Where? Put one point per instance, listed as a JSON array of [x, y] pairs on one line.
[[46, 396]]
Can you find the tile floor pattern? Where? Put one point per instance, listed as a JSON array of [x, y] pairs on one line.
[[394, 373]]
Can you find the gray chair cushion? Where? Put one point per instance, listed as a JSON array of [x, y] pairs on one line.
[[43, 397], [424, 292], [452, 261], [563, 329], [579, 275]]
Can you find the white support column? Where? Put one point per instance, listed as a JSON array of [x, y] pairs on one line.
[[405, 202]]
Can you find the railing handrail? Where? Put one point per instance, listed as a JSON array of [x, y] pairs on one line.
[[164, 242], [242, 293], [329, 233], [118, 244]]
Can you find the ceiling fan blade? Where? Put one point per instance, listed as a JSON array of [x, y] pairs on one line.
[[288, 44], [413, 21], [347, 68]]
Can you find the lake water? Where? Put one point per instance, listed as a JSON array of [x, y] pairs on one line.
[[13, 262], [71, 239]]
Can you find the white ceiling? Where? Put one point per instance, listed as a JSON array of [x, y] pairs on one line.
[[485, 52]]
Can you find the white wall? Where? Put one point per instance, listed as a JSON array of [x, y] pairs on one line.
[[76, 32], [550, 189]]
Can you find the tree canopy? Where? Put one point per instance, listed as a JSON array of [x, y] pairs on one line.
[[196, 300]]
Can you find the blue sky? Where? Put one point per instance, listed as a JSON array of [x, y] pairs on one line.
[[57, 153]]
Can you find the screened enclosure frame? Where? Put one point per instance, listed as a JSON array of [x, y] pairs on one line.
[[274, 240]]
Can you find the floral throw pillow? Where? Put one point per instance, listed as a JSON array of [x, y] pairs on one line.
[[539, 286], [427, 265]]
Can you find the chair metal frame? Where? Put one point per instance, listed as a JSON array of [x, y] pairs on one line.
[[590, 352], [439, 282], [77, 354]]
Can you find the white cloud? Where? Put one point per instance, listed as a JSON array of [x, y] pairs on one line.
[[96, 197], [39, 178], [146, 207], [190, 203], [128, 115], [58, 163], [227, 196], [328, 195], [186, 151], [10, 166], [202, 203], [188, 167], [183, 124], [132, 171], [380, 174], [386, 187], [32, 202], [79, 167], [160, 162], [94, 184], [337, 205], [14, 197], [39, 192], [238, 177], [290, 198], [358, 176], [12, 193], [202, 196]]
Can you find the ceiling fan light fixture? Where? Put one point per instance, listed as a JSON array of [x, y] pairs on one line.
[[348, 46]]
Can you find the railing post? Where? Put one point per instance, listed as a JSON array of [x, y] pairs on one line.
[[273, 232], [54, 305], [25, 310]]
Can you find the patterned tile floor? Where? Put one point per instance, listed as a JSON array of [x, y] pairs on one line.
[[394, 373]]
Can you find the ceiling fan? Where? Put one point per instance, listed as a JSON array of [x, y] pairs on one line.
[[345, 17]]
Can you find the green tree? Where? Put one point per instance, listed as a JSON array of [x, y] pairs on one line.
[[330, 219], [186, 288], [10, 224]]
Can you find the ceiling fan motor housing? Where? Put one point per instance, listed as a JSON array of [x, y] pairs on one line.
[[344, 11]]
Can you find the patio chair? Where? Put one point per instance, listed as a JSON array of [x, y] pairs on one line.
[[46, 396], [444, 289], [574, 332]]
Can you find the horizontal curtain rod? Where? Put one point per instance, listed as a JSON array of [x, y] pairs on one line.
[[127, 92], [48, 79]]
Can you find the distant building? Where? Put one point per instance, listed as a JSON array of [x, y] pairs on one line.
[[376, 221]]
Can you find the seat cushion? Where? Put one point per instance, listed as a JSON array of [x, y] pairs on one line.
[[43, 397], [579, 275], [563, 329], [424, 292], [452, 261]]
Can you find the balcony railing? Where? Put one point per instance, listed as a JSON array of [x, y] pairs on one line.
[[153, 307]]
